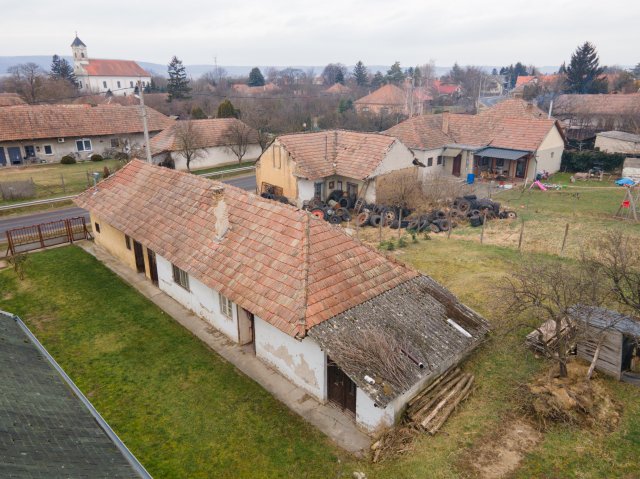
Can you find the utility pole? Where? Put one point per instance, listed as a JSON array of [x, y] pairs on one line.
[[147, 146]]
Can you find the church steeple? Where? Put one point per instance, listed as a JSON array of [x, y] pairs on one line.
[[79, 50]]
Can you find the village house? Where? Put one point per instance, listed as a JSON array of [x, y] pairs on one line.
[[618, 142], [46, 133], [387, 100], [212, 142], [303, 166], [583, 116], [301, 292], [507, 142], [120, 77]]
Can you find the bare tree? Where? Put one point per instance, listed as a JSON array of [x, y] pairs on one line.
[[189, 142], [240, 137], [28, 80], [538, 293]]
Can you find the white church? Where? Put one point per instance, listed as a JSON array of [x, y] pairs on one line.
[[119, 77]]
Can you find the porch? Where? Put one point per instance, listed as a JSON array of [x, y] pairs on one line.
[[502, 164]]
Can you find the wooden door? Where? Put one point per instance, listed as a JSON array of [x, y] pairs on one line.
[[153, 266], [139, 254], [457, 165], [521, 167], [340, 389]]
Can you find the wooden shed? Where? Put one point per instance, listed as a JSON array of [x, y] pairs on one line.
[[618, 336]]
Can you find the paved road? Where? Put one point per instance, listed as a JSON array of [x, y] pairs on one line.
[[244, 182]]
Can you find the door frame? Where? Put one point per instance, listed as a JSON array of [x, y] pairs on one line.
[[138, 252], [457, 165], [343, 394], [153, 266], [19, 158]]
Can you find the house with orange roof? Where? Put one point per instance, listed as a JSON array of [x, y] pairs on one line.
[[299, 292], [507, 142], [46, 133], [212, 142], [120, 77], [387, 100], [303, 166]]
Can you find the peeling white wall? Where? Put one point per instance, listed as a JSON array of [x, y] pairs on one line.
[[398, 157], [200, 299], [305, 191], [210, 157], [302, 362], [548, 155], [371, 417]]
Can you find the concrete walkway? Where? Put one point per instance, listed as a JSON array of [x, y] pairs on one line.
[[332, 422]]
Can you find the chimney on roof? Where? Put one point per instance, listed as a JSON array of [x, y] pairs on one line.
[[445, 122], [221, 212]]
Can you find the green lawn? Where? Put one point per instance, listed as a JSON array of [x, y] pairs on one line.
[[185, 412]]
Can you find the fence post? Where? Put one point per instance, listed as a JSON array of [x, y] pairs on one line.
[[67, 226], [40, 236], [484, 221], [399, 222], [564, 239], [64, 187], [521, 234], [380, 231], [450, 225]]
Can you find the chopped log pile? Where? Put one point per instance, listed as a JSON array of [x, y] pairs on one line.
[[431, 408], [428, 411]]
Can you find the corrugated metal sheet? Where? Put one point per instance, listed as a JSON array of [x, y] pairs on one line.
[[503, 153]]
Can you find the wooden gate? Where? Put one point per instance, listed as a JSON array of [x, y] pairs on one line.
[[341, 390], [29, 238]]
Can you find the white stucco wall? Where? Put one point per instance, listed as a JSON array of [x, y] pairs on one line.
[[200, 299], [369, 416], [98, 145], [424, 155], [548, 156], [213, 156], [95, 84], [398, 157], [305, 191], [302, 362]]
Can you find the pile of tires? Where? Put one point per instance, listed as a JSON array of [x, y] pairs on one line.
[[432, 222], [279, 198], [476, 210]]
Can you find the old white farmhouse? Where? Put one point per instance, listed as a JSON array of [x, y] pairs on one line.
[[302, 292]]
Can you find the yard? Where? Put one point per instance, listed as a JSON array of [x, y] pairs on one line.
[[185, 412]]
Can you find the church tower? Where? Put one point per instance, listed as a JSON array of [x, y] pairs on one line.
[[79, 50]]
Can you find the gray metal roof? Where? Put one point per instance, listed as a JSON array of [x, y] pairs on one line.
[[47, 427], [602, 318], [77, 42], [620, 135], [430, 323], [503, 153]]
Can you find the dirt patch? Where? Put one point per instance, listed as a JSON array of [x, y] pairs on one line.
[[41, 321], [502, 454]]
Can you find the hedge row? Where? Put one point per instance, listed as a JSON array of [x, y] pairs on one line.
[[584, 160]]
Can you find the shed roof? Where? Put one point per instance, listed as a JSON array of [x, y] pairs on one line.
[[598, 105], [337, 152], [279, 262], [29, 122], [416, 314], [602, 318], [47, 431], [620, 135], [504, 153]]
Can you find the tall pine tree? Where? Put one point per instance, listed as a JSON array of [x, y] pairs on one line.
[[255, 77], [584, 73], [378, 80], [395, 74], [178, 83], [360, 74], [61, 69]]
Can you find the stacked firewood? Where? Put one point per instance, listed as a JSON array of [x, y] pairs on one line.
[[430, 409]]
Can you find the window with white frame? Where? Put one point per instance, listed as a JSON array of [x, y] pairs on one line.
[[48, 150], [226, 306], [84, 144], [115, 142], [180, 277], [430, 161]]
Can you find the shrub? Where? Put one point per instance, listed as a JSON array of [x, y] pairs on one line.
[[585, 160], [106, 172], [391, 245], [96, 157], [402, 242], [121, 156], [414, 237], [68, 160]]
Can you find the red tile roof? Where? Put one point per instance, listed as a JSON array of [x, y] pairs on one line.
[[28, 122], [287, 267], [508, 126], [115, 68], [338, 88], [336, 152], [587, 105], [385, 95], [11, 99], [445, 88], [208, 133], [514, 108]]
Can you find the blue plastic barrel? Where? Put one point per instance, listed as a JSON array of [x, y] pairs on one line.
[[471, 178]]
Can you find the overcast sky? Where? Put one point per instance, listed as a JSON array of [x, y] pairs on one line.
[[287, 32]]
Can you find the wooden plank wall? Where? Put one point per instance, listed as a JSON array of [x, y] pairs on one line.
[[610, 358]]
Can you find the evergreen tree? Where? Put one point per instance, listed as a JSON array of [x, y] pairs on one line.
[[584, 71], [417, 75], [378, 80], [563, 69], [340, 77], [62, 70], [197, 113], [227, 110], [395, 74], [494, 72], [178, 83], [255, 77], [456, 74], [360, 74]]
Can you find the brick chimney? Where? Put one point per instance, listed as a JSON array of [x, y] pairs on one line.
[[445, 122], [222, 214]]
